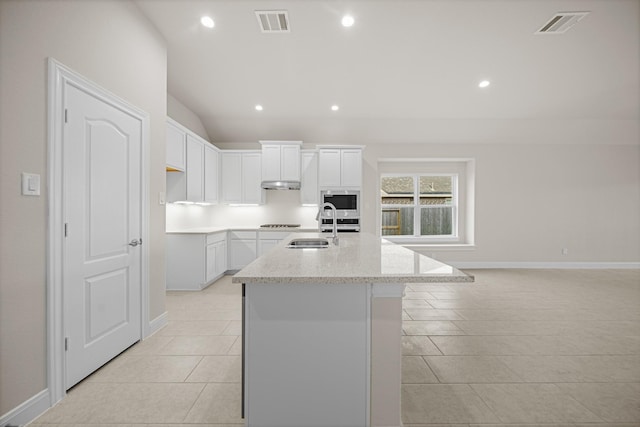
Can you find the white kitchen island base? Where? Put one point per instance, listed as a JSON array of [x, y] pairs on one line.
[[307, 355], [322, 331]]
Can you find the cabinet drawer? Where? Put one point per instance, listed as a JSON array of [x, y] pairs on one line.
[[235, 234], [216, 237]]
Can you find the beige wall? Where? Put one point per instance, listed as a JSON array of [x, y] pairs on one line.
[[187, 118], [532, 200], [114, 45]]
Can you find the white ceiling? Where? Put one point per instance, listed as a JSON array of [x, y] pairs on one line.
[[407, 71]]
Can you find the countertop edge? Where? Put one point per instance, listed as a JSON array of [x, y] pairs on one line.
[[352, 280], [211, 230]]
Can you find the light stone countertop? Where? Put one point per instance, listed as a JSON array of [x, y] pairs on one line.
[[358, 258], [209, 230]]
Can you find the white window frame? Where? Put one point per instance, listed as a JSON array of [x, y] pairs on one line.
[[463, 199], [417, 208]]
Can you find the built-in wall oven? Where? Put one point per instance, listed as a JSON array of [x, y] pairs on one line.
[[347, 203]]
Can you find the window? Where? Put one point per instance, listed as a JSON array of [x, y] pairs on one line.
[[428, 201], [419, 205]]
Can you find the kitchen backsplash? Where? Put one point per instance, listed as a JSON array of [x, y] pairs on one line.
[[282, 207]]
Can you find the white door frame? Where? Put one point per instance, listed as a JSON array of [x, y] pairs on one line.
[[58, 76]]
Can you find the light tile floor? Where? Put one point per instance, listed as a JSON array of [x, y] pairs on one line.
[[515, 348]]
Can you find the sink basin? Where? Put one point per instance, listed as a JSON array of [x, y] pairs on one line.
[[308, 243]]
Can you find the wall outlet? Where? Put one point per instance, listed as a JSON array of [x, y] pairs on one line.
[[565, 251], [162, 198]]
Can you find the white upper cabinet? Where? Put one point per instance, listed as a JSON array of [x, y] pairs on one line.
[[351, 167], [281, 160], [329, 166], [290, 162], [241, 177], [211, 173], [176, 152], [339, 167], [197, 180], [195, 170], [252, 192], [271, 162], [309, 178]]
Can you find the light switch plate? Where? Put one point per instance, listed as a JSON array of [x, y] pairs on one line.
[[30, 184]]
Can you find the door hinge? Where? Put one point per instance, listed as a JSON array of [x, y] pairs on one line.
[[66, 343], [65, 116], [66, 226]]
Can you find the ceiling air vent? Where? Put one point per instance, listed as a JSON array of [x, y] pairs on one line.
[[273, 21], [561, 22]]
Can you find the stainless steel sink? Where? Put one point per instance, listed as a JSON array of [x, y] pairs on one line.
[[308, 243]]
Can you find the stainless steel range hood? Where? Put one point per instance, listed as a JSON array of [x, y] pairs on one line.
[[281, 185]]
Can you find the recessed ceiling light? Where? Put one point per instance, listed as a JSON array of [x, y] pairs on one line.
[[347, 20], [207, 21], [484, 83], [335, 108], [258, 107]]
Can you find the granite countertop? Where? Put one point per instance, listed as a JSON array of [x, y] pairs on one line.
[[199, 230], [359, 258], [209, 230]]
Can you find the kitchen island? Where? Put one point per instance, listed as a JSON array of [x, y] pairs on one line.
[[322, 331]]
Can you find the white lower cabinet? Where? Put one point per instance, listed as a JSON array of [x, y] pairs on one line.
[[243, 248], [241, 177], [269, 239], [216, 256], [247, 246], [195, 260]]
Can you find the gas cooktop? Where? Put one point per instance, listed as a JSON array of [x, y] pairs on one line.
[[280, 226]]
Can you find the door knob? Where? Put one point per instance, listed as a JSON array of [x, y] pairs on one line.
[[135, 242]]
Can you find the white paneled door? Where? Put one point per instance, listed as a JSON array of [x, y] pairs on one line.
[[102, 204]]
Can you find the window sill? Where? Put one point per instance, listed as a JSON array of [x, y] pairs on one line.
[[433, 245]]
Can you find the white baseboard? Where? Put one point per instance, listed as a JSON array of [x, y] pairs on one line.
[[28, 411], [156, 324], [545, 265]]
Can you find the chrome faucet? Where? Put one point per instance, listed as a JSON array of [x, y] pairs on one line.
[[334, 213]]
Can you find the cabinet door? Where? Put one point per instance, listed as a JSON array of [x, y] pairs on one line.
[[221, 258], [351, 168], [329, 168], [195, 170], [242, 252], [231, 166], [270, 162], [210, 175], [252, 178], [289, 162], [176, 157], [309, 179], [265, 245], [211, 262], [186, 261]]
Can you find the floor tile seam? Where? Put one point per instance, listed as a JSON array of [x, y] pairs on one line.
[[505, 368], [559, 355], [159, 350], [543, 335], [521, 354], [526, 382], [239, 337], [193, 404], [435, 345], [186, 378], [431, 369], [559, 390]]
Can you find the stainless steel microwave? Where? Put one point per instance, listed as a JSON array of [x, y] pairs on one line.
[[347, 203]]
